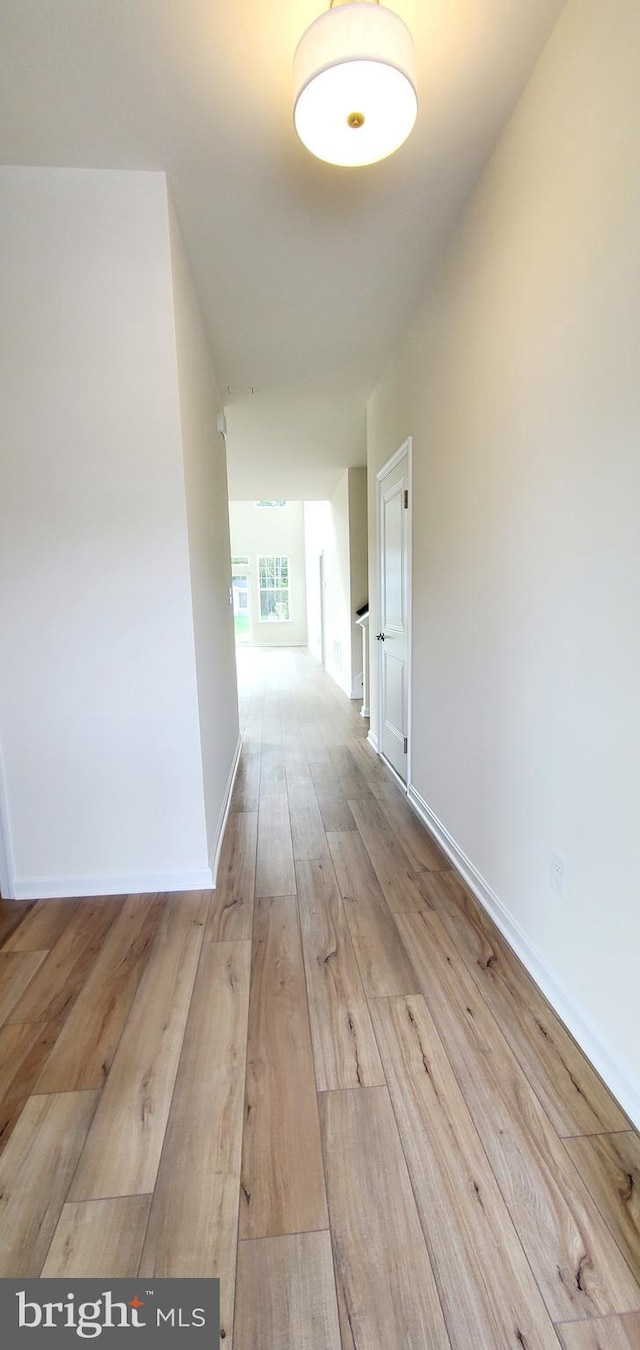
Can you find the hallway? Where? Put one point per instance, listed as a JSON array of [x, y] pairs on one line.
[[329, 1082]]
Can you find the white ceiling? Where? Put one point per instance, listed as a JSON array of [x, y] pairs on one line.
[[306, 272]]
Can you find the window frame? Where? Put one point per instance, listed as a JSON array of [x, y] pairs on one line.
[[265, 557]]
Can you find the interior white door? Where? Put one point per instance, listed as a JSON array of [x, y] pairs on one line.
[[393, 633]]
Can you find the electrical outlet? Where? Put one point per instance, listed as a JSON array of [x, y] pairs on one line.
[[558, 873]]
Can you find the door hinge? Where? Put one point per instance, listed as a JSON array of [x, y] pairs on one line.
[[406, 498], [406, 746]]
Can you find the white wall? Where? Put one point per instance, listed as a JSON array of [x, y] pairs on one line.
[[205, 476], [337, 529], [99, 724], [317, 534], [338, 589], [519, 383], [268, 531]]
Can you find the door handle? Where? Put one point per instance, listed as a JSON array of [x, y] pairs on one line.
[[379, 637]]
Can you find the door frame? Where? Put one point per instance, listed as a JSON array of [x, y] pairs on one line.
[[404, 451]]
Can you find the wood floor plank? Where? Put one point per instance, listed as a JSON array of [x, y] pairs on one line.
[[379, 789], [324, 776], [282, 1188], [286, 1294], [275, 873], [334, 735], [43, 925], [182, 912], [99, 1239], [307, 828], [24, 1049], [344, 1046], [12, 914], [272, 775], [610, 1168], [368, 762], [384, 965], [16, 1043], [296, 764], [387, 1294], [246, 789], [420, 847], [17, 970], [577, 1265], [194, 1216], [290, 731], [298, 775], [35, 1171], [611, 1333], [316, 750], [388, 859], [464, 1219], [272, 722], [352, 782], [123, 1148], [84, 1051], [50, 994], [574, 1097], [231, 909], [336, 813]]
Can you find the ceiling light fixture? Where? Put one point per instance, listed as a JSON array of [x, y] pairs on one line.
[[354, 73]]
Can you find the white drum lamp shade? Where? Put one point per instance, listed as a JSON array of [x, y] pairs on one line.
[[354, 72]]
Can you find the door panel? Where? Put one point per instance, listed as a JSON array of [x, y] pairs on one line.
[[394, 709], [394, 614], [392, 559]]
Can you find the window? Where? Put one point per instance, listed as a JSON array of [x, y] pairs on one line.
[[273, 585], [271, 503]]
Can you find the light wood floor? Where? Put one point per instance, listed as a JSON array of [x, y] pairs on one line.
[[329, 1082]]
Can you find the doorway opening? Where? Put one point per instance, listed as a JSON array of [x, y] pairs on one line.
[[241, 590]]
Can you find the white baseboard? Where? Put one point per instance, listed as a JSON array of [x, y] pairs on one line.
[[373, 740], [224, 814], [135, 883], [394, 772], [603, 1059]]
